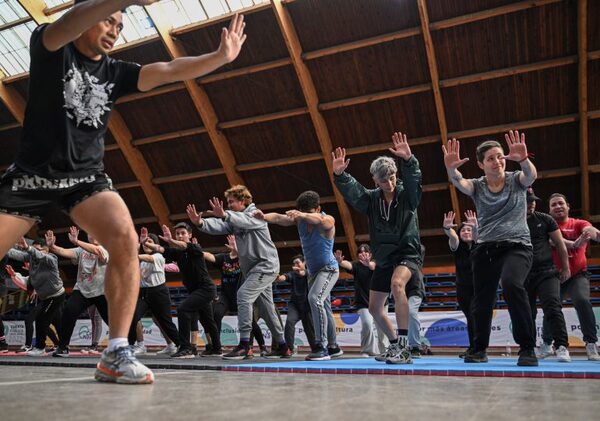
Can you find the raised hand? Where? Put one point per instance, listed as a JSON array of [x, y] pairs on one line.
[[50, 238], [471, 218], [339, 161], [517, 150], [339, 256], [9, 269], [166, 234], [143, 235], [217, 207], [74, 235], [231, 244], [194, 216], [452, 155], [258, 214], [22, 244], [232, 38], [401, 148], [449, 221]]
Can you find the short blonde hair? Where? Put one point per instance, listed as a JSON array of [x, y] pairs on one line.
[[241, 193]]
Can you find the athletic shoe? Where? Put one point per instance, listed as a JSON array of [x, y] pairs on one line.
[[462, 355], [401, 356], [210, 352], [364, 355], [121, 366], [239, 353], [294, 351], [592, 352], [170, 349], [391, 349], [545, 350], [24, 348], [562, 353], [335, 352], [415, 352], [476, 357], [195, 350], [319, 354], [36, 352], [527, 358], [281, 352], [263, 350], [93, 350], [184, 353], [3, 347], [61, 352], [139, 349]]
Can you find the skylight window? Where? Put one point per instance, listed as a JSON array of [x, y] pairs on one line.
[[185, 12], [14, 48], [11, 11]]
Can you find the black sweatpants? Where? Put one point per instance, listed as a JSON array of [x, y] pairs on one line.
[[76, 304], [465, 295], [158, 301], [199, 301], [49, 311], [546, 285], [509, 262], [30, 320]]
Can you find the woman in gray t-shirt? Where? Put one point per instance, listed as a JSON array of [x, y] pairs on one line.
[[503, 249]]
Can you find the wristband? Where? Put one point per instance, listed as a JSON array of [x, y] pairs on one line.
[[523, 160]]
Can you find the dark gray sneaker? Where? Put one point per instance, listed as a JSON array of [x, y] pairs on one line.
[[319, 354], [527, 358], [476, 357], [121, 366]]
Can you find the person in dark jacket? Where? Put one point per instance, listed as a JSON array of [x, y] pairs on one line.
[[394, 234]]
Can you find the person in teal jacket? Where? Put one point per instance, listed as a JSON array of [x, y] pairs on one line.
[[394, 235]]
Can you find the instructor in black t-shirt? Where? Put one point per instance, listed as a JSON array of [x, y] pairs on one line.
[[544, 279], [72, 88]]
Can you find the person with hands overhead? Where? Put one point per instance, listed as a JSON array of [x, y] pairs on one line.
[[391, 208], [460, 245], [259, 262], [200, 286], [503, 248], [92, 260], [317, 232]]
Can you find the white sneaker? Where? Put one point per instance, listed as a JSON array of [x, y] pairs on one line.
[[36, 352], [592, 352], [170, 349], [545, 350], [139, 349], [121, 366], [562, 354]]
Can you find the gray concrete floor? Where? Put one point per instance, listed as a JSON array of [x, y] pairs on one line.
[[65, 393]]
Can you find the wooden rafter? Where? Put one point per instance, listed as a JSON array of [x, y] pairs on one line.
[[199, 98], [14, 102], [138, 165], [582, 85], [437, 93], [312, 101]]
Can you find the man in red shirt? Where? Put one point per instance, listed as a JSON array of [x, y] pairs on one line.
[[577, 234]]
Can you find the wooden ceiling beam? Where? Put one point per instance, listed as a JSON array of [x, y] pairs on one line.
[[437, 93], [36, 9], [189, 176], [218, 19], [173, 87], [263, 118], [280, 162], [170, 136], [199, 97], [521, 125], [312, 101], [15, 103], [245, 71], [378, 96], [138, 165], [582, 88]]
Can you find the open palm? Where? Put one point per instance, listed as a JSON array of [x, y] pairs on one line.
[[232, 38]]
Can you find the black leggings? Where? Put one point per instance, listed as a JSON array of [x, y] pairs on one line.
[[465, 294], [200, 302], [546, 285], [76, 304], [49, 311], [30, 320], [158, 301], [222, 306], [509, 262]]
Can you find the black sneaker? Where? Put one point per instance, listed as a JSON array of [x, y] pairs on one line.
[[462, 355], [211, 352], [3, 347], [187, 353], [476, 357], [194, 350], [527, 358], [263, 350], [319, 354], [238, 353], [335, 352], [61, 352], [415, 352], [281, 352], [24, 348]]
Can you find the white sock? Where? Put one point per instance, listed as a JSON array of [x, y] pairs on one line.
[[115, 343]]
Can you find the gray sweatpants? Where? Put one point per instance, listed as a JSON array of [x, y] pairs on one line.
[[320, 285], [258, 287], [414, 324]]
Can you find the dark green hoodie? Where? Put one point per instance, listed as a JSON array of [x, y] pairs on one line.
[[394, 233]]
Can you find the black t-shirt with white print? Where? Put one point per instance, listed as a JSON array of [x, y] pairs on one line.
[[70, 99]]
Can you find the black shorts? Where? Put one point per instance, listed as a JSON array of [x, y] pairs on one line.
[[30, 196], [382, 277]]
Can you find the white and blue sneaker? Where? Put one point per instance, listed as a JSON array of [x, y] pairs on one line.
[[121, 366]]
